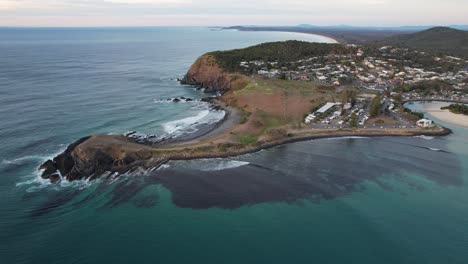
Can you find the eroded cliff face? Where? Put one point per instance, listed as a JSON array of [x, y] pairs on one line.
[[90, 157], [206, 73]]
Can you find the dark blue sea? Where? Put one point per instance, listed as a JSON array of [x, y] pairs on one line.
[[348, 200]]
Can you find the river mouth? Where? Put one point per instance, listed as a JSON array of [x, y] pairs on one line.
[[433, 109]]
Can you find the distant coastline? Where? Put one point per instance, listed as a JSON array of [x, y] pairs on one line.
[[329, 37], [340, 35]]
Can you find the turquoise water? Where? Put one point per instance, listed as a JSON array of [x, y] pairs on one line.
[[351, 200]]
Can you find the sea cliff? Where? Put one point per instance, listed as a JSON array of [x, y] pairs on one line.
[[206, 73], [90, 157]]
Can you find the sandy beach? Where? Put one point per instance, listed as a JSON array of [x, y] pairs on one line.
[[445, 115]]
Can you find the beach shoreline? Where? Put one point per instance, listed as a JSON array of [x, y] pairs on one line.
[[331, 39], [445, 115]]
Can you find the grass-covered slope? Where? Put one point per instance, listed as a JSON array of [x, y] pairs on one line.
[[281, 52], [443, 40]]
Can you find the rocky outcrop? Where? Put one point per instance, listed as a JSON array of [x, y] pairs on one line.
[[207, 74], [91, 157]]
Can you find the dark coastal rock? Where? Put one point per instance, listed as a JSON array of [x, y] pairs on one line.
[[49, 167], [54, 178], [217, 108], [208, 100], [180, 99], [130, 133], [91, 157]]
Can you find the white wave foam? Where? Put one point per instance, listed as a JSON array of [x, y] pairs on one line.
[[21, 160], [37, 183], [187, 124], [435, 149], [425, 137], [164, 167], [218, 164]]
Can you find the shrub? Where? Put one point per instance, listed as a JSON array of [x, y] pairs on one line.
[[247, 139]]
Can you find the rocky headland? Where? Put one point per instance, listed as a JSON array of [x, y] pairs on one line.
[[97, 155]]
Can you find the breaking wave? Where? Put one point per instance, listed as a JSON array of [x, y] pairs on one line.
[[22, 160], [226, 164], [213, 164], [189, 124], [38, 183], [425, 137]]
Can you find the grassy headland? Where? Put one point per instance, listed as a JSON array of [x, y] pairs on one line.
[[276, 93]]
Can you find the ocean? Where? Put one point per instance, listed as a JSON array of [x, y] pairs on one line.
[[344, 200]]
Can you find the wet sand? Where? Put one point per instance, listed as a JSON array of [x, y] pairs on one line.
[[445, 115]]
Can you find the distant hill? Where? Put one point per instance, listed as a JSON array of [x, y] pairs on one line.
[[281, 52], [442, 40]]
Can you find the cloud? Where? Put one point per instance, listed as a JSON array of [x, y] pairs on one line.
[[225, 12], [150, 2], [6, 4]]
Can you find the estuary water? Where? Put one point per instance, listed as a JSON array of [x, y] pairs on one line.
[[347, 200]]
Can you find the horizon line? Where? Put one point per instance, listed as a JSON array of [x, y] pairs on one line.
[[215, 26]]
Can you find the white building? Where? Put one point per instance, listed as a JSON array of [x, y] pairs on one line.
[[325, 108], [424, 123]]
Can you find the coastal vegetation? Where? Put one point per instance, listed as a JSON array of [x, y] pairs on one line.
[[279, 52], [419, 115], [425, 87], [375, 106], [457, 109]]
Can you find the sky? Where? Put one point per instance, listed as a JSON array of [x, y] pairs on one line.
[[232, 12]]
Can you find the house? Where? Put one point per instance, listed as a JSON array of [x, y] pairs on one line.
[[322, 78], [424, 123], [309, 118]]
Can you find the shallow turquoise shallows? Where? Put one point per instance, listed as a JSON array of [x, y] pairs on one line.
[[349, 200]]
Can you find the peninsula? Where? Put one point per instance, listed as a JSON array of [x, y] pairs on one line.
[[282, 92]]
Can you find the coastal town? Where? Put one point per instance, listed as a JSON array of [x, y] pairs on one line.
[[395, 75]]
